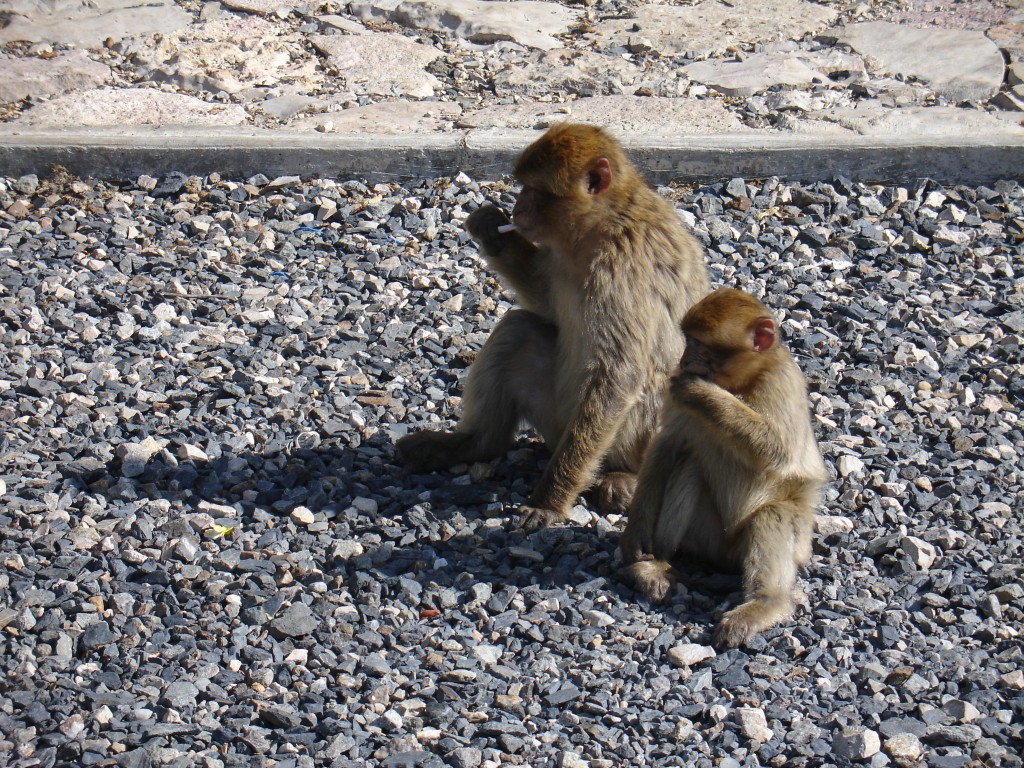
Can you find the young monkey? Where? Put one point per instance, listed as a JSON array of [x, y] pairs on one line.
[[734, 474]]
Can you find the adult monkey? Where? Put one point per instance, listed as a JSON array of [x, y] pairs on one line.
[[734, 474], [604, 272]]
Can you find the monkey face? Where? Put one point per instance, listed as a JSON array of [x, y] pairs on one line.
[[733, 369], [731, 338], [532, 206], [698, 359]]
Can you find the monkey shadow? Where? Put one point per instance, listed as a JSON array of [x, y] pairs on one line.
[[278, 481], [425, 526], [325, 479], [569, 558], [359, 488], [577, 565]]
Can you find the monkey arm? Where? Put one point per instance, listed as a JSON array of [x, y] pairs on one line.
[[512, 256], [619, 354], [749, 433], [578, 455]]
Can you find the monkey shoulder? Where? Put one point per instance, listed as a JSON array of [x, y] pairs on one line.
[[666, 228]]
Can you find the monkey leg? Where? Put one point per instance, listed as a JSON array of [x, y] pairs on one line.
[[653, 578], [769, 548], [510, 381]]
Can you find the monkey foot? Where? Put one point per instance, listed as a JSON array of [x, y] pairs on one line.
[[429, 450], [614, 492], [741, 624], [654, 578], [534, 518]]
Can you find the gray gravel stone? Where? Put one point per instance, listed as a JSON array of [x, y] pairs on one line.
[[296, 621], [465, 757], [270, 347], [952, 734], [95, 636], [180, 694], [856, 743]]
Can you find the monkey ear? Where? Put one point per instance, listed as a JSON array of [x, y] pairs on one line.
[[764, 333], [599, 176]]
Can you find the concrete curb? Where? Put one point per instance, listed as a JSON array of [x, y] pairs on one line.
[[239, 152]]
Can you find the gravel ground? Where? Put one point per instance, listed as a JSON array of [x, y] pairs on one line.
[[210, 557]]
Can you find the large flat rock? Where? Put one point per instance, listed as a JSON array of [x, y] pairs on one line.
[[760, 71], [751, 75], [626, 114], [958, 64], [289, 105], [581, 73], [923, 123], [279, 8], [711, 27], [382, 64], [527, 22], [230, 54], [386, 118], [88, 24], [130, 106], [36, 77], [1008, 34]]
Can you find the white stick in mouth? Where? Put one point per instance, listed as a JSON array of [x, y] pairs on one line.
[[503, 228]]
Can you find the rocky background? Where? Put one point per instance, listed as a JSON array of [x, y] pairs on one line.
[[209, 554], [380, 66], [211, 558]]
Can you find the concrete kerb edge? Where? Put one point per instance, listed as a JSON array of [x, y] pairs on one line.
[[487, 154]]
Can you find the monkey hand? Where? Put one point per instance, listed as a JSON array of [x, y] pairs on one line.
[[634, 547], [742, 623], [687, 389], [483, 225], [534, 518], [696, 368], [732, 633], [738, 627], [654, 578]]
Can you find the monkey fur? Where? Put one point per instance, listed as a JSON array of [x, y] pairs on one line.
[[734, 474], [603, 272]]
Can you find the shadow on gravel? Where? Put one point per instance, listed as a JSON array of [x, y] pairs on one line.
[[425, 528], [276, 481]]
